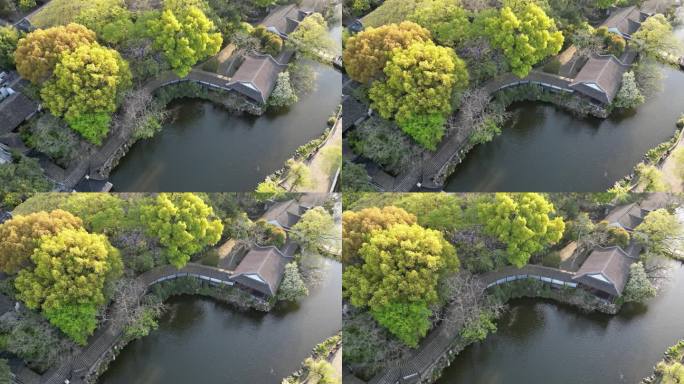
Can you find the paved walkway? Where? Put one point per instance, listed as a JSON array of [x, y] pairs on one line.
[[672, 172], [321, 173]]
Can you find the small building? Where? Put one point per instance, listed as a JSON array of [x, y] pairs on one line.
[[605, 272], [600, 78], [261, 271], [627, 217], [14, 110], [285, 20], [356, 26], [354, 113], [625, 21], [285, 214], [256, 77]]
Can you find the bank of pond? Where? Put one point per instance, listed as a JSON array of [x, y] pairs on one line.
[[539, 340], [203, 340]]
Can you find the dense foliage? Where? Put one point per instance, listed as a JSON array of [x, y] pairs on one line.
[[357, 227], [185, 36], [20, 236], [315, 228], [523, 222], [183, 223], [39, 52], [525, 34], [292, 288], [9, 38], [68, 282]]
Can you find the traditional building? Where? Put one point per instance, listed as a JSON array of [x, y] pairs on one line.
[[600, 78], [627, 217], [285, 214], [284, 21], [261, 270], [256, 77], [14, 110], [605, 272], [625, 21]]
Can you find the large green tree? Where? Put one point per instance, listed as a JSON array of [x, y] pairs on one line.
[[20, 236], [445, 19], [656, 39], [366, 54], [398, 279], [183, 223], [314, 229], [526, 35], [657, 231], [185, 36], [9, 38], [311, 39], [113, 23], [39, 52], [418, 90], [72, 270], [85, 88], [357, 227], [522, 221], [21, 179]]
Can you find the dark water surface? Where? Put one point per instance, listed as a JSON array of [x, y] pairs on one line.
[[202, 341], [543, 342], [543, 148], [206, 148]]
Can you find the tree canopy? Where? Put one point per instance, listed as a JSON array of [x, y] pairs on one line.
[[71, 271], [657, 230], [418, 90], [638, 288], [357, 227], [292, 287], [85, 88], [314, 229], [20, 236], [525, 34], [445, 19], [183, 223], [398, 278], [311, 39], [185, 37], [366, 54], [9, 38], [656, 39], [39, 52], [523, 222]]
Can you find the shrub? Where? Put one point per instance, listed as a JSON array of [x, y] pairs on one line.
[[552, 259], [553, 66]]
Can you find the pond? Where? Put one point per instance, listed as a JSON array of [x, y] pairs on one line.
[[207, 148], [540, 341], [202, 341], [544, 148]]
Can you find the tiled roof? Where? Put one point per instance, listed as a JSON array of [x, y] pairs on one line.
[[14, 110], [626, 20], [256, 77], [262, 270], [600, 78], [627, 217], [606, 269]]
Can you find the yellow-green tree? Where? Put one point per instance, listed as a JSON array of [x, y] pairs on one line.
[[183, 223], [38, 53], [655, 38], [314, 229], [365, 54], [398, 279], [185, 37], [522, 221], [418, 90], [111, 22], [85, 88], [526, 35], [9, 38], [311, 39], [21, 235], [357, 227], [445, 19], [72, 270]]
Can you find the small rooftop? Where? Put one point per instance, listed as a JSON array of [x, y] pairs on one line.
[[606, 270], [14, 110], [256, 77], [285, 214], [627, 217], [261, 270], [600, 78], [625, 21]]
